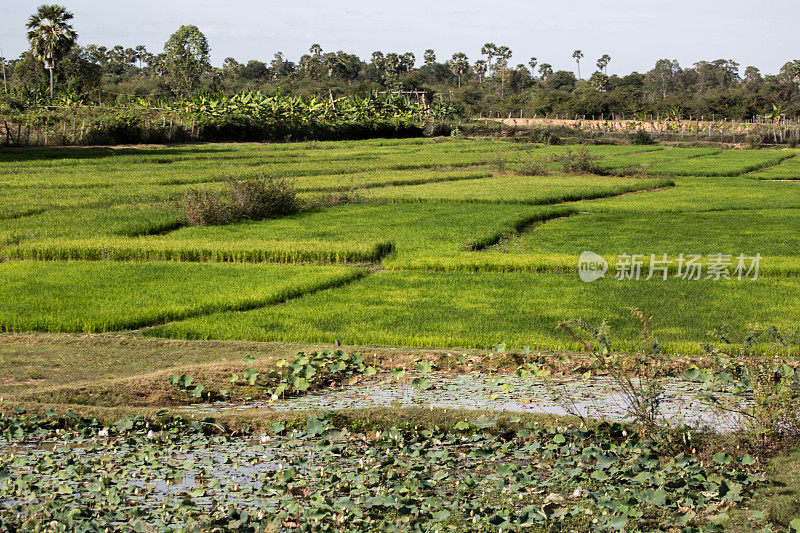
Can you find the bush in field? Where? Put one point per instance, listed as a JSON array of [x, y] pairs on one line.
[[753, 140], [641, 137], [254, 199], [578, 161], [206, 208], [263, 197], [530, 165]]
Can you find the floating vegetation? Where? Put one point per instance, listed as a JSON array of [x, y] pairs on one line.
[[490, 474]]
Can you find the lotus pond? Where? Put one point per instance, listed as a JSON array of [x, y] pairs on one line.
[[489, 474]]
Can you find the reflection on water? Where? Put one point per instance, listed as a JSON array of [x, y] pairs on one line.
[[597, 397]]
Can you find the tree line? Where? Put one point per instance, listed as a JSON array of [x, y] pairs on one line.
[[490, 84]]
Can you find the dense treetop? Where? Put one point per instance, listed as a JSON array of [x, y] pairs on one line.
[[490, 84]]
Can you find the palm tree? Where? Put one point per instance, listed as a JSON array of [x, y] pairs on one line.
[[141, 54], [577, 55], [603, 62], [489, 50], [407, 61], [532, 63], [378, 60], [545, 70], [430, 57], [503, 55], [316, 50], [51, 36], [480, 69], [459, 65]]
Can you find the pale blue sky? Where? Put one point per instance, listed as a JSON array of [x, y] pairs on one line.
[[635, 33]]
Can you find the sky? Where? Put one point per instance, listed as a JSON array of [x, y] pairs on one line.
[[635, 33]]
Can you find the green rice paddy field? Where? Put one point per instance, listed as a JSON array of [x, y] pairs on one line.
[[448, 248]]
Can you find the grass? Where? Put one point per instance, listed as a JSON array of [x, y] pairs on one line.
[[556, 245], [535, 190], [199, 250], [642, 161], [435, 206], [438, 207], [479, 310], [102, 296], [121, 220], [348, 233], [788, 170], [727, 163]]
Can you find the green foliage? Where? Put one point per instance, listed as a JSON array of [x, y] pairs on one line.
[[263, 197], [186, 60], [577, 161], [206, 208], [196, 390], [308, 372], [772, 387], [641, 137], [420, 479]]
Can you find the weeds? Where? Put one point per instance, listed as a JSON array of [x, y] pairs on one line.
[[251, 199], [206, 208], [578, 161], [263, 197], [641, 137], [770, 386], [635, 375]]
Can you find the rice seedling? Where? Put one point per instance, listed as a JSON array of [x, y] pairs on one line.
[[727, 163], [103, 296], [787, 170], [535, 190], [480, 309]]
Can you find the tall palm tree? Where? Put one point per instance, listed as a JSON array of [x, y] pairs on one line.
[[603, 62], [577, 55], [141, 54], [480, 69], [545, 70], [459, 65], [489, 50], [532, 63], [407, 60], [51, 36], [503, 55]]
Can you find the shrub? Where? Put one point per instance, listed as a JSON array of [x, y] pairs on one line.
[[793, 141], [578, 161], [749, 366], [206, 208], [641, 137], [255, 198], [531, 166], [263, 197], [636, 376], [753, 140]]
